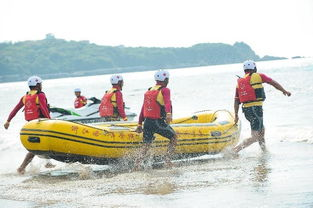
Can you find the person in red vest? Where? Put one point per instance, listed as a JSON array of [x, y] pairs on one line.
[[156, 113], [35, 106], [112, 106], [80, 100], [250, 93]]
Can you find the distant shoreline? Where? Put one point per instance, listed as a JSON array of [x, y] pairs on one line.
[[53, 58], [18, 78]]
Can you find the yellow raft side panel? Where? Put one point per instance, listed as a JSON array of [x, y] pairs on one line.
[[205, 133]]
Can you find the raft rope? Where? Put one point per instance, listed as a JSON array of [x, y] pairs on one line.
[[194, 117], [202, 111], [224, 132], [226, 111]]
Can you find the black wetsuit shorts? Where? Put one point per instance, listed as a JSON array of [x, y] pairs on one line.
[[254, 115], [159, 126]]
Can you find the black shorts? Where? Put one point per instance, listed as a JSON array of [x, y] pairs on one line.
[[254, 115], [159, 126]]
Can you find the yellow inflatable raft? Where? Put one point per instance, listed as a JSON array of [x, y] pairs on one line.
[[202, 133]]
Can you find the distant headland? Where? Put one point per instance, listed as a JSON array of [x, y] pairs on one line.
[[56, 58]]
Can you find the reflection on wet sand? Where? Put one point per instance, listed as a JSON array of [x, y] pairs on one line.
[[154, 179], [261, 171], [160, 188], [207, 175]]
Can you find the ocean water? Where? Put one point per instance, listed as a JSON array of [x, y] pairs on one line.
[[281, 177]]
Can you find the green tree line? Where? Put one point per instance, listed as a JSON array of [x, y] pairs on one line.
[[53, 57]]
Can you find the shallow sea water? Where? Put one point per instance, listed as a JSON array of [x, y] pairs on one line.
[[280, 177]]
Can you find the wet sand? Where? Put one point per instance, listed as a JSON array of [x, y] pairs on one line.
[[281, 177]]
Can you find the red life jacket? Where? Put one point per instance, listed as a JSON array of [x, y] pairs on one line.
[[79, 102], [106, 107], [31, 110], [245, 91], [151, 107]]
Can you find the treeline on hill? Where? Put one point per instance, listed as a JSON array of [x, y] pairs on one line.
[[52, 58]]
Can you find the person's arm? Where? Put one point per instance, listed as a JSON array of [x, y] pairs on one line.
[[120, 105], [141, 118], [275, 84], [279, 87], [236, 105], [167, 103], [84, 100], [43, 105], [13, 113], [265, 79], [167, 99]]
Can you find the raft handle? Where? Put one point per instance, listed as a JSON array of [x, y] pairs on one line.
[[34, 139], [216, 133]]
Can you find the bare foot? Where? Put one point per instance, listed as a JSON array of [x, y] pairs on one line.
[[49, 165], [21, 171], [136, 168], [168, 163], [230, 155]]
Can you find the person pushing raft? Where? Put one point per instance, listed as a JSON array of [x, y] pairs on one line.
[[156, 114], [35, 106], [250, 93]]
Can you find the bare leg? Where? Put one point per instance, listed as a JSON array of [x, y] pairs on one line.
[[256, 136], [170, 151], [262, 140], [28, 158], [141, 156]]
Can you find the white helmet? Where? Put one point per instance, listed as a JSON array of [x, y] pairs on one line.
[[77, 90], [116, 78], [33, 81], [249, 64], [161, 75]]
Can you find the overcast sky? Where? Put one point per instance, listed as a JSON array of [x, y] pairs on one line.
[[273, 27]]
